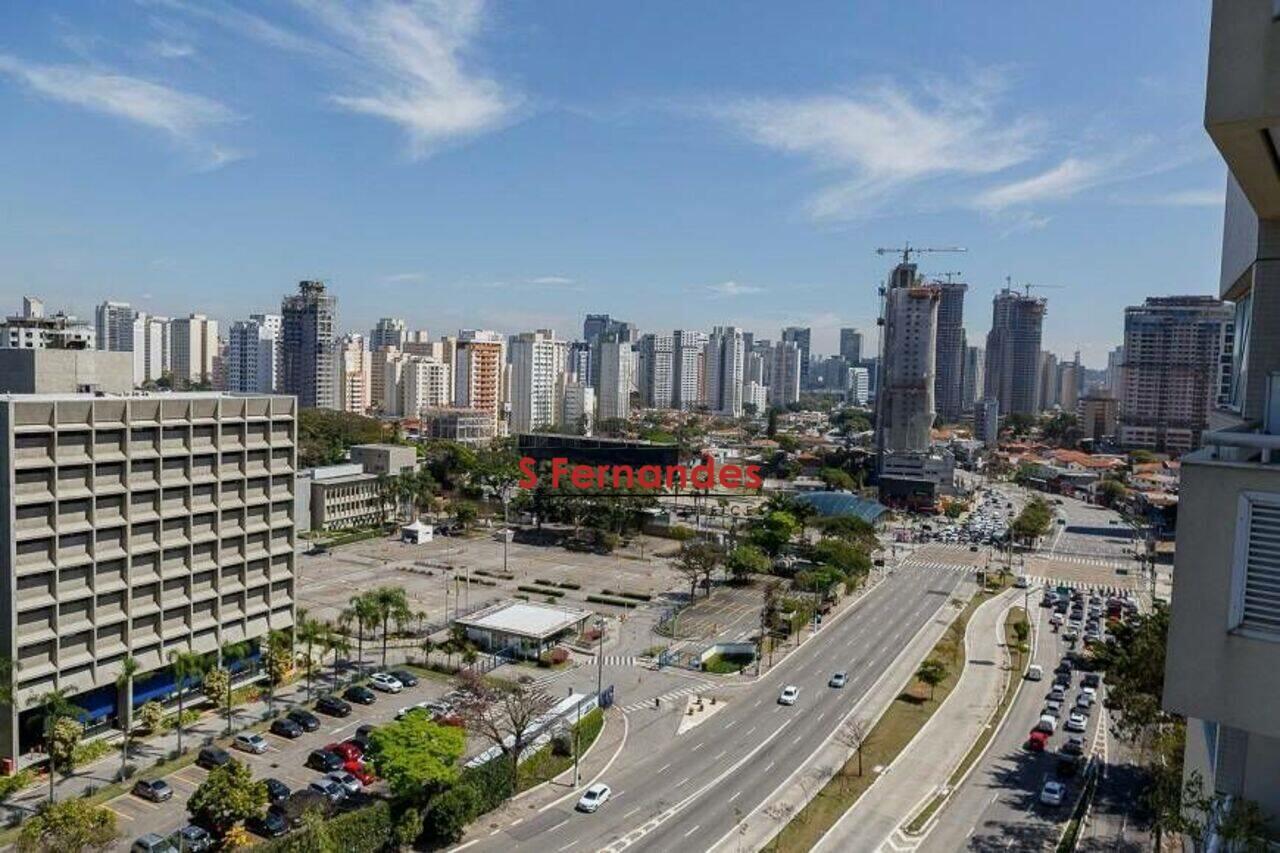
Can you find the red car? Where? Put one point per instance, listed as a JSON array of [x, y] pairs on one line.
[[361, 771], [349, 752], [1037, 741]]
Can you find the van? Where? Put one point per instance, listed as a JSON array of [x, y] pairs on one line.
[[1035, 672]]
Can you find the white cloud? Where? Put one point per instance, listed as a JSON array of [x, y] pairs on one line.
[[184, 117], [884, 138], [1061, 181], [551, 280], [404, 277], [733, 288], [1188, 198], [166, 49]]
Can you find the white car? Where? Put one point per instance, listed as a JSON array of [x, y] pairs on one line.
[[1053, 793], [1084, 702], [349, 783], [594, 797], [250, 742], [1077, 722], [788, 695], [838, 680], [385, 682]]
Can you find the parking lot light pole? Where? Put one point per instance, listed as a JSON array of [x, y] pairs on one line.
[[505, 495], [600, 661]]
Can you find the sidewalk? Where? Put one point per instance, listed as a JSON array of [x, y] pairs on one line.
[[922, 769], [758, 829], [558, 791]]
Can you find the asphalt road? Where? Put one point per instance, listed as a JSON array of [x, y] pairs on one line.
[[688, 792]]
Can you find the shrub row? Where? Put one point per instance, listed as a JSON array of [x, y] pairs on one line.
[[365, 830], [637, 596], [569, 585], [608, 599], [537, 590]]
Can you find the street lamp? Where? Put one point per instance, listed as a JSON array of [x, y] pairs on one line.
[[600, 661], [504, 492]]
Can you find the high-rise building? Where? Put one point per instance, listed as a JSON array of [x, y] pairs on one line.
[[986, 421], [723, 371], [656, 370], [1222, 658], [136, 566], [851, 346], [479, 357], [859, 386], [577, 407], [906, 404], [537, 364], [1114, 378], [150, 348], [800, 336], [355, 375], [1070, 378], [784, 373], [423, 383], [1048, 387], [614, 397], [114, 326], [251, 358], [686, 368], [34, 329], [578, 362], [1098, 416], [948, 381], [1013, 352], [596, 328], [308, 320], [389, 332], [972, 386], [193, 343], [1173, 347]]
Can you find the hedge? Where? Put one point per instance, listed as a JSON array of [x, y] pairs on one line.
[[638, 596], [569, 585], [365, 830], [607, 599], [537, 590]]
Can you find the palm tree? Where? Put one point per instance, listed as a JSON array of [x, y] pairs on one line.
[[337, 643], [392, 604], [54, 705], [186, 666], [124, 681], [366, 613], [309, 633], [6, 681], [231, 653], [277, 642], [427, 648]]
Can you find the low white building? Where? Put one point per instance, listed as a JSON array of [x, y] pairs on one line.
[[524, 628]]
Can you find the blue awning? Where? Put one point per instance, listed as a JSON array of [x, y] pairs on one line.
[[96, 704]]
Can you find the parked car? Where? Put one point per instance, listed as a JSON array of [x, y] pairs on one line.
[[1077, 722], [330, 789], [838, 680], [277, 791], [1053, 793], [594, 797], [324, 760], [1057, 694], [1037, 741], [348, 751], [155, 790], [1074, 745], [1047, 724], [306, 720], [333, 706], [211, 757], [299, 803], [405, 677], [364, 731], [1092, 679], [193, 839], [153, 843], [349, 782], [361, 771], [270, 824], [386, 682], [788, 695], [250, 742], [360, 695], [285, 727]]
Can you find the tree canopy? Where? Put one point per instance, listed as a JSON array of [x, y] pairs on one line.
[[69, 826], [415, 755], [227, 796]]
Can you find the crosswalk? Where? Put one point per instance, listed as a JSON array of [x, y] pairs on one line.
[[940, 566], [621, 660], [1099, 588], [1082, 560], [668, 697]]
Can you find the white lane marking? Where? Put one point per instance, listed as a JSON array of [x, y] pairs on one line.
[[692, 831]]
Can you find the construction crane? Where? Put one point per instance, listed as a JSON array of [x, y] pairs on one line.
[[948, 274], [907, 250], [1028, 286]]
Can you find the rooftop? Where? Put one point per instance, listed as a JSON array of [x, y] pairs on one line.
[[526, 619]]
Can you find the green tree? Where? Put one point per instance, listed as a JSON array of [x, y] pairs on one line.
[[746, 560], [216, 684], [852, 561], [233, 653], [124, 681], [932, 672], [365, 614], [392, 605], [151, 716], [1111, 492], [187, 667], [415, 755], [775, 532], [227, 796], [308, 633], [771, 429], [696, 562], [835, 478], [279, 663], [60, 740], [71, 826], [449, 813], [465, 513]]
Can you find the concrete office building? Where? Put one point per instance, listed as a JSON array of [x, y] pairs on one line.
[[33, 329], [859, 386], [193, 344], [656, 370], [974, 371], [801, 337], [614, 390], [113, 326], [388, 332], [948, 382], [986, 421], [478, 367], [355, 375], [1012, 370], [385, 458], [308, 320], [598, 327], [1098, 415], [251, 358], [1222, 666], [1173, 348], [344, 497], [138, 525], [723, 371], [1047, 393], [784, 373], [686, 368], [537, 363], [851, 346], [150, 348]]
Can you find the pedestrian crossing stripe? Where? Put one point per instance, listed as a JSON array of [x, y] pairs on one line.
[[622, 660], [667, 697]]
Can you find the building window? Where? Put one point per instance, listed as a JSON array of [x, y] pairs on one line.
[[1255, 609]]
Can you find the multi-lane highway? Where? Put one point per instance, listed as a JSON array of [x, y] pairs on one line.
[[687, 792]]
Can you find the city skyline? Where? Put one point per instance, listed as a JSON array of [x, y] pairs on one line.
[[550, 195]]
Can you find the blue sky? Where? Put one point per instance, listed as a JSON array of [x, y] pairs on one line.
[[517, 165]]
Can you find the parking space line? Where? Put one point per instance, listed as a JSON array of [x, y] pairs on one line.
[[117, 812]]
